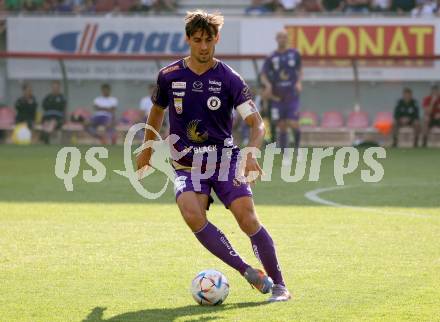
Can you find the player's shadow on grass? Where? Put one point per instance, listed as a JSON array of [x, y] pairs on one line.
[[169, 314]]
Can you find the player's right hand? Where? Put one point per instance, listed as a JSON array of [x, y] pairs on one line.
[[143, 159]]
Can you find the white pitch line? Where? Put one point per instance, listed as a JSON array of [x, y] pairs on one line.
[[313, 196]]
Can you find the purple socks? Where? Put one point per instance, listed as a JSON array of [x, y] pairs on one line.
[[217, 243], [262, 244], [264, 250]]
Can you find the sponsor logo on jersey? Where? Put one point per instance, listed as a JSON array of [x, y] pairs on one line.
[[179, 94], [246, 92], [214, 89], [178, 105], [170, 69], [214, 103], [197, 86], [203, 149], [178, 85], [214, 82]]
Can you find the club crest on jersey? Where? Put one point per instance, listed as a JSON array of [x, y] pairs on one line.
[[178, 85], [178, 105], [214, 103], [196, 132], [197, 86]]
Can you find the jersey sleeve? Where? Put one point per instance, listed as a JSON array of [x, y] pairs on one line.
[[240, 90], [160, 94], [267, 66], [298, 58]]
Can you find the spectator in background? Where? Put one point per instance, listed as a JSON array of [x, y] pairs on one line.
[[142, 5], [311, 6], [402, 6], [63, 6], [288, 6], [13, 5], [26, 107], [261, 7], [380, 5], [31, 5], [146, 104], [406, 113], [54, 106], [333, 5], [357, 6], [165, 5], [424, 8], [431, 107], [104, 116], [89, 6]]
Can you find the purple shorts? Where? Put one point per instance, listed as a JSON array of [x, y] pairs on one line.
[[103, 119], [283, 110], [225, 185]]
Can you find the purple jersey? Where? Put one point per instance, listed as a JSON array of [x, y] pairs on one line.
[[200, 106], [282, 70]]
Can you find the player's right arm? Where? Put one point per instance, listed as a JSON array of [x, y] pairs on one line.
[[155, 120]]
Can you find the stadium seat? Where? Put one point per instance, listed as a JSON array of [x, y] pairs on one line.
[[125, 5], [357, 120], [383, 116], [131, 116], [76, 120], [332, 120], [105, 5], [7, 118], [308, 119]]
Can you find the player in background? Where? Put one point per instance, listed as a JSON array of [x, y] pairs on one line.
[[54, 106], [431, 105], [406, 113], [281, 77], [201, 92], [431, 109]]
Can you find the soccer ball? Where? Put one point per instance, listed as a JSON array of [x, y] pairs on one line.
[[210, 287], [21, 134]]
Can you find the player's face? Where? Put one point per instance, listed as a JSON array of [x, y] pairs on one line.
[[55, 88], [105, 91], [282, 40], [407, 96], [28, 91], [202, 46]]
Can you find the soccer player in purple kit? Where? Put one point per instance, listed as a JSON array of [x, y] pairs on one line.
[[201, 92], [281, 77]]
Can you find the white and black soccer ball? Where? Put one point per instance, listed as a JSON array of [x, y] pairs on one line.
[[210, 287]]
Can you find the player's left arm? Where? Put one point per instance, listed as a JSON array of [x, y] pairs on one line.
[[298, 84], [256, 136]]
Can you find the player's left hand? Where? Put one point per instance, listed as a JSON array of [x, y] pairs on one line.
[[252, 170], [298, 87]]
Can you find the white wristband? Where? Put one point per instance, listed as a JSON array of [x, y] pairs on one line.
[[247, 108]]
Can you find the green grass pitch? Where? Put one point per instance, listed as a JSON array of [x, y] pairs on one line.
[[103, 253]]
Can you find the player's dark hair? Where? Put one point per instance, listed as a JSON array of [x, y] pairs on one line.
[[211, 23], [25, 86], [105, 86], [407, 90]]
